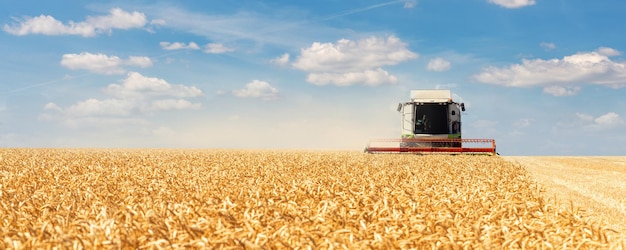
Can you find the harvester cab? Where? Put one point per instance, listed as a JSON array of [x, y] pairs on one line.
[[431, 123]]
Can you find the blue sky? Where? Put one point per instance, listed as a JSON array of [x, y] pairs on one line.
[[540, 77]]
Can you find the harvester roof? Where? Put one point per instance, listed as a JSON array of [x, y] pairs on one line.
[[431, 95]]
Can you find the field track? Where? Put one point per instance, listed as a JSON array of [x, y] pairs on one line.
[[234, 199], [597, 184]]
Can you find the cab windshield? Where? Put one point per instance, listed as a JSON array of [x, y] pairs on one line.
[[431, 118]]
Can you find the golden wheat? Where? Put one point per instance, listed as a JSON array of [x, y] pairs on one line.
[[595, 183], [152, 199]]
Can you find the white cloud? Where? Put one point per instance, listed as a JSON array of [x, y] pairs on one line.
[[94, 107], [608, 120], [368, 77], [512, 4], [567, 74], [48, 25], [138, 86], [101, 63], [173, 104], [257, 89], [438, 64], [561, 91], [608, 51], [281, 60], [118, 19], [347, 55], [178, 45], [98, 63], [155, 23], [52, 106], [217, 48], [547, 46], [339, 63], [136, 95], [139, 61]]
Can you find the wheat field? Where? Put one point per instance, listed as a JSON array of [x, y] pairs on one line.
[[236, 199], [596, 184]]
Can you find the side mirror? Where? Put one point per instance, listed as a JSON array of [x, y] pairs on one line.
[[399, 107], [463, 107]]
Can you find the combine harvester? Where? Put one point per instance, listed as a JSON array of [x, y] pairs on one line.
[[431, 123]]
